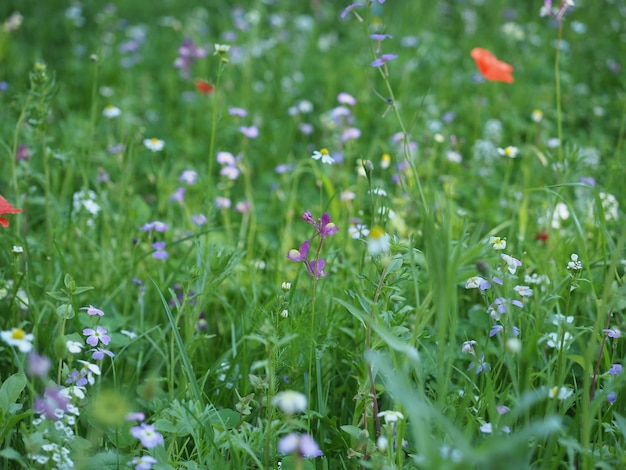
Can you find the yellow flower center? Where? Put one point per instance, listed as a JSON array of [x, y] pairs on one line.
[[386, 157], [18, 333], [376, 232], [324, 151], [154, 141]]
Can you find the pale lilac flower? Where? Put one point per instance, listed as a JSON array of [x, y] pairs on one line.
[[477, 282], [156, 225], [159, 251], [199, 219], [523, 291], [306, 128], [243, 207], [613, 332], [189, 176], [97, 335], [99, 353], [137, 416], [38, 366], [380, 37], [498, 328], [51, 401], [615, 369], [226, 158], [283, 168], [222, 202], [345, 98], [468, 347], [144, 462], [230, 172], [301, 443], [148, 435], [233, 111], [512, 263], [251, 132], [349, 8], [480, 365], [178, 195], [350, 134], [611, 397], [91, 310], [383, 59]]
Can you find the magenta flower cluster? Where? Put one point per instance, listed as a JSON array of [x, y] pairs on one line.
[[324, 228]]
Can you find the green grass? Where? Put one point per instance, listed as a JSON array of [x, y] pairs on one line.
[[204, 340]]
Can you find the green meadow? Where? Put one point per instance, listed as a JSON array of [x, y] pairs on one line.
[[312, 234]]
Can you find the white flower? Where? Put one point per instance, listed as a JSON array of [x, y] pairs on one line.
[[476, 282], [18, 338], [324, 156], [130, 334], [498, 243], [468, 347], [561, 213], [111, 111], [524, 291], [154, 144], [556, 341], [221, 48], [378, 241], [391, 416], [512, 263], [561, 393], [74, 346], [509, 151], [536, 115], [290, 402], [358, 231], [18, 249], [574, 264], [285, 286]]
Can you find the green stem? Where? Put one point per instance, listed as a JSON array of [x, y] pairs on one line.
[[557, 75]]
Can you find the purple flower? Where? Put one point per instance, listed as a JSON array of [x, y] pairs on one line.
[[380, 37], [480, 365], [345, 98], [383, 59], [38, 366], [188, 176], [498, 328], [99, 353], [222, 202], [588, 180], [137, 416], [97, 335], [91, 310], [301, 254], [303, 444], [613, 332], [615, 369], [325, 228], [144, 462], [349, 8], [283, 168], [350, 134], [52, 404], [147, 434], [156, 225], [237, 112], [159, 251], [199, 219], [251, 132], [611, 397], [188, 53], [315, 268], [22, 153], [178, 195]]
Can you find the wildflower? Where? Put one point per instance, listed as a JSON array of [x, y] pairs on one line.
[[199, 219], [178, 195], [358, 231], [137, 416], [316, 268], [154, 144], [144, 462], [17, 249], [303, 444], [383, 59], [378, 241], [301, 254], [290, 402], [380, 37], [130, 334], [74, 347], [561, 393], [543, 236], [615, 369], [556, 341], [243, 207], [323, 226], [111, 111], [345, 98], [468, 347], [233, 111], [381, 443], [204, 87], [99, 353], [157, 226], [480, 365], [324, 156], [97, 335], [477, 282], [147, 434], [498, 328], [611, 397], [251, 132], [490, 67], [51, 402], [286, 286], [385, 161], [350, 134], [38, 366], [391, 416], [498, 243], [559, 319], [6, 208], [512, 263], [500, 306], [509, 151], [536, 115], [18, 338], [284, 313], [574, 264], [188, 177], [612, 332], [222, 202], [225, 158], [523, 291], [22, 153], [91, 310], [221, 48], [188, 53], [159, 251]]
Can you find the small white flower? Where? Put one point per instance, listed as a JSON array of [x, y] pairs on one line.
[[560, 393], [523, 291], [391, 416], [130, 334], [536, 115], [74, 346], [378, 241], [284, 313], [290, 402], [18, 338], [111, 111], [574, 264], [468, 347], [381, 444], [358, 231], [509, 151], [476, 282], [221, 48], [324, 156], [512, 263], [18, 249], [154, 144], [556, 341], [285, 286], [498, 243]]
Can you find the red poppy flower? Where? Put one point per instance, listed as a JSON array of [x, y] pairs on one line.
[[490, 67], [204, 87], [543, 236], [6, 208]]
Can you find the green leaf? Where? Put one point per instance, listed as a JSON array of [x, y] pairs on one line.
[[11, 454], [65, 311], [81, 289], [165, 425], [11, 390], [289, 463], [59, 295]]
